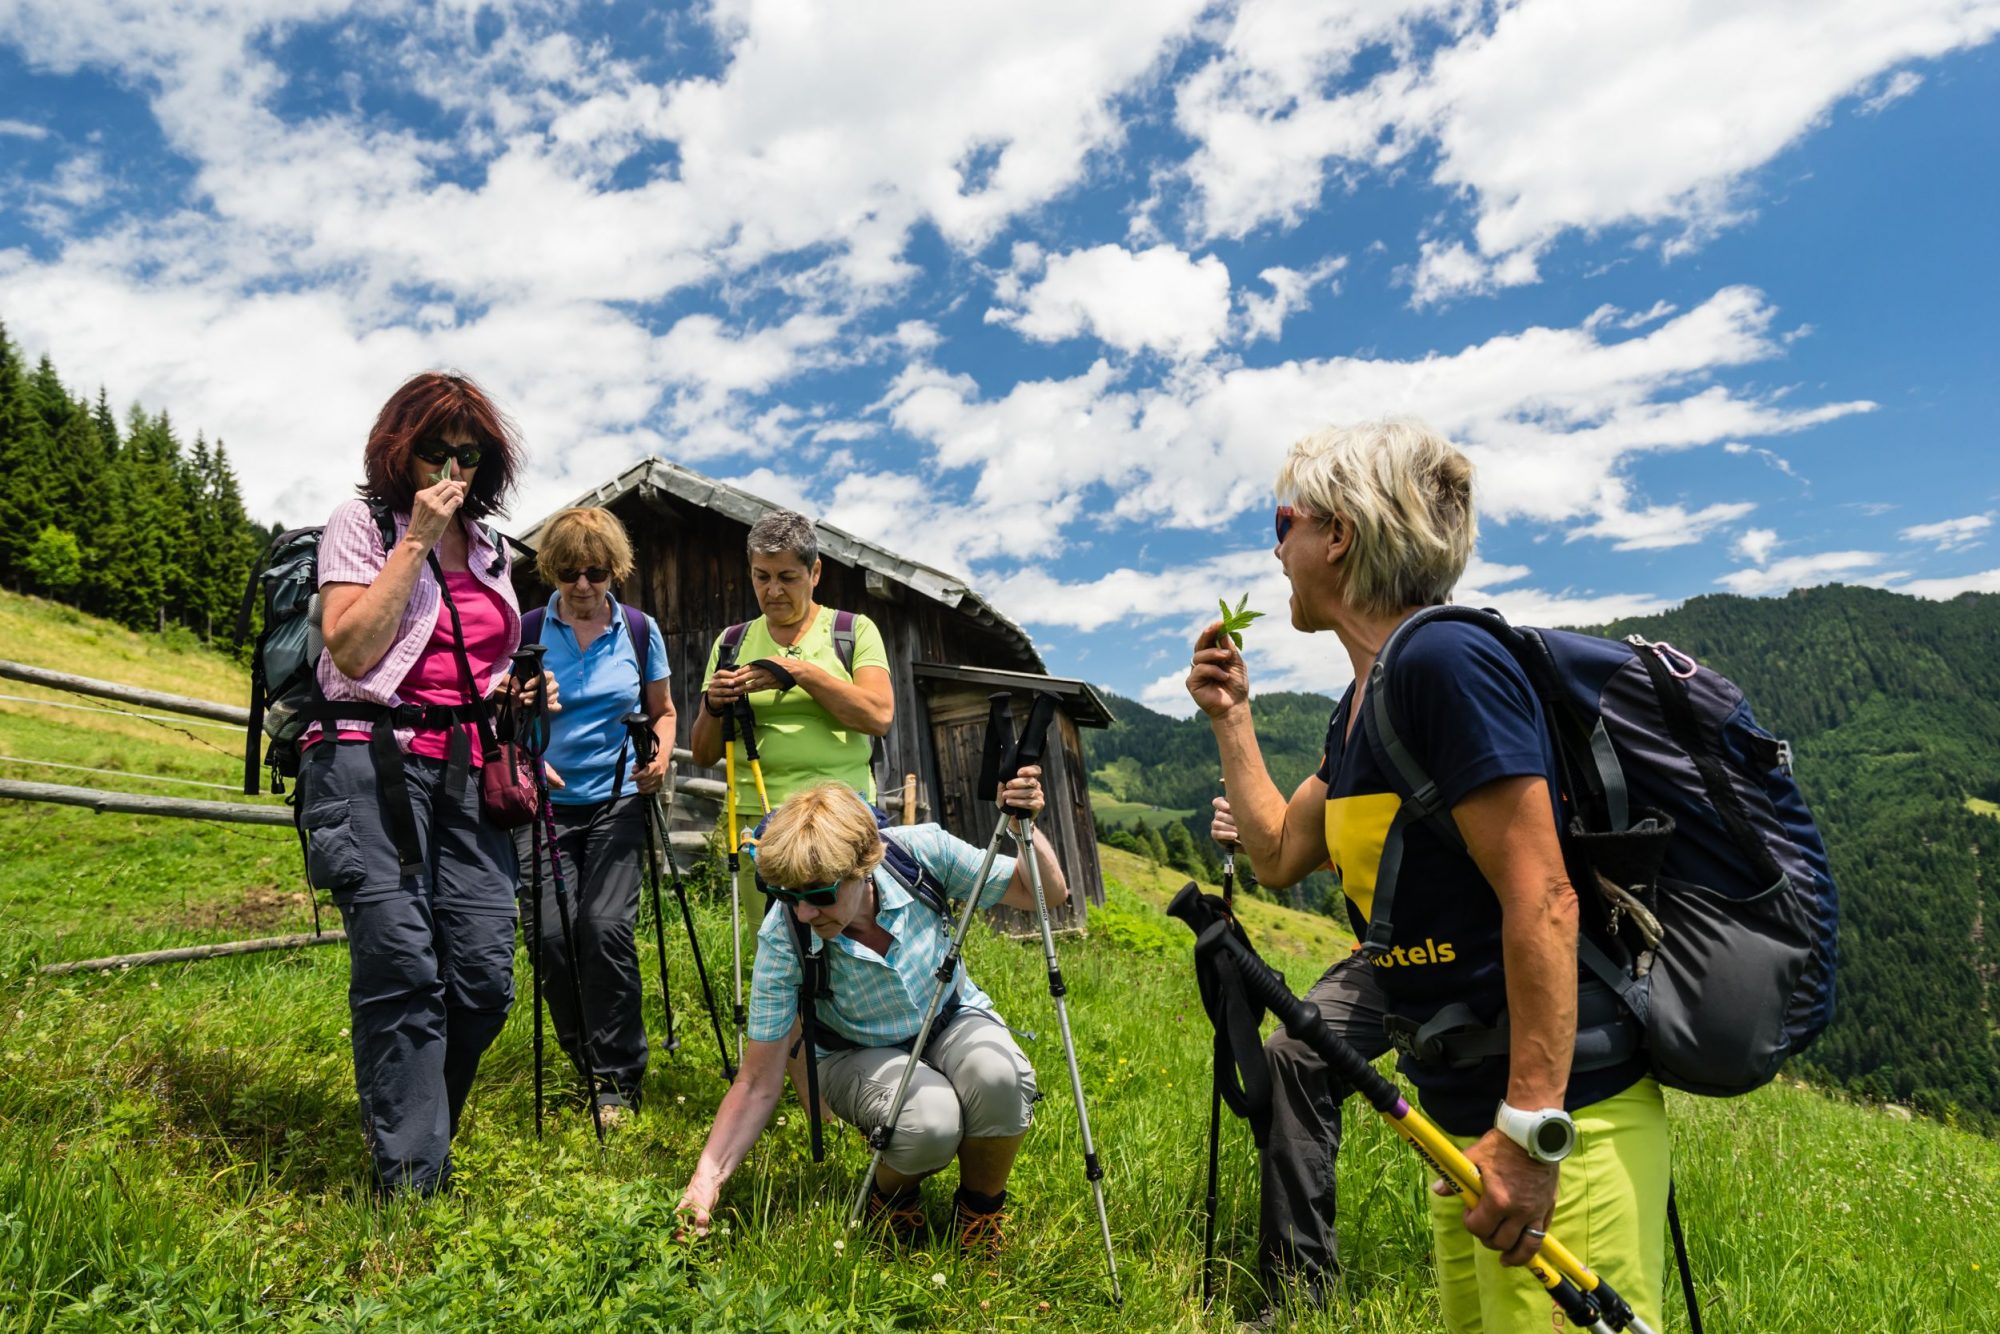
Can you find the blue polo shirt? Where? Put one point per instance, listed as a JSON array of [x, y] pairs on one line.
[[596, 687]]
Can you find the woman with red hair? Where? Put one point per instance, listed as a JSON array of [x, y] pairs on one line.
[[419, 621]]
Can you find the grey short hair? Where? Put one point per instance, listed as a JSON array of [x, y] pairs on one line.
[[784, 532], [1406, 490]]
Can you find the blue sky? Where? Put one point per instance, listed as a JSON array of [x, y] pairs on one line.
[[1040, 293]]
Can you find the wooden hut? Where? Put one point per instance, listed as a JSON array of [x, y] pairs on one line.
[[949, 649]]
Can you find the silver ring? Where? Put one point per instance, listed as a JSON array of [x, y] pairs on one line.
[[1533, 1232]]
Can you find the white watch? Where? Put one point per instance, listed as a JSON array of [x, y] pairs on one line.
[[1546, 1135]]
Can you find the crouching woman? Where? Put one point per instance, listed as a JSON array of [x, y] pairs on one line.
[[831, 871]]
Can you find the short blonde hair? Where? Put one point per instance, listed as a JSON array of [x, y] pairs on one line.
[[1406, 491], [818, 836], [576, 539]]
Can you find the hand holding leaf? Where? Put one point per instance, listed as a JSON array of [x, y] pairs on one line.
[[1235, 622]]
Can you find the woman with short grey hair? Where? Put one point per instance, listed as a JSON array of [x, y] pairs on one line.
[[1379, 523], [830, 696]]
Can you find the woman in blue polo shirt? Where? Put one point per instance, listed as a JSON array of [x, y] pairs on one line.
[[610, 661]]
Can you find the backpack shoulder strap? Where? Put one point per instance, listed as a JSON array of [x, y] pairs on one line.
[[1421, 799], [915, 878], [532, 621], [385, 524], [843, 639], [642, 644]]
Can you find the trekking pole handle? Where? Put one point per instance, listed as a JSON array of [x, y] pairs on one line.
[[524, 665], [640, 729], [1004, 754]]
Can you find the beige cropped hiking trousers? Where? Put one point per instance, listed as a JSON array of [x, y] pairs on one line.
[[974, 1080]]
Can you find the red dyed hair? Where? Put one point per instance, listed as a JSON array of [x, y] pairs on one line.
[[425, 407]]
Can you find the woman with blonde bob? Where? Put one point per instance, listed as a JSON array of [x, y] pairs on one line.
[[609, 660], [1378, 523], [825, 863]]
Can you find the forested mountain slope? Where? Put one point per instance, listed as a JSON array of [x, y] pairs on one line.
[[1892, 704]]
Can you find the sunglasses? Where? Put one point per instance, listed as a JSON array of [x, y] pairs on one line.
[[597, 574], [436, 451], [1286, 517], [826, 897]]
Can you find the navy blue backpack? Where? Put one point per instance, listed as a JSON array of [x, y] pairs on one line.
[[1715, 914]]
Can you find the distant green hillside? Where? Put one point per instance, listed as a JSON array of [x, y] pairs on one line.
[[1893, 706]]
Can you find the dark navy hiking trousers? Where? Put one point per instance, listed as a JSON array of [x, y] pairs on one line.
[[430, 955], [600, 845]]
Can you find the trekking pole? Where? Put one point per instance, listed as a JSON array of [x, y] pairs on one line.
[[1030, 752], [735, 861], [639, 729], [1215, 1109], [535, 952], [661, 824], [999, 722], [528, 667], [1583, 1295]]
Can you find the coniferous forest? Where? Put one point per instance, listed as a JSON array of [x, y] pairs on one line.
[[1892, 704], [123, 520]]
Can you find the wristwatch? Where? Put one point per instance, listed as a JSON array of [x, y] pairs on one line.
[[1546, 1135]]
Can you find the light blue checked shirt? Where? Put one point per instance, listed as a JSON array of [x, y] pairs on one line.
[[877, 1001]]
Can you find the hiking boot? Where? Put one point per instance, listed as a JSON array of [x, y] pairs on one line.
[[900, 1216], [980, 1223]]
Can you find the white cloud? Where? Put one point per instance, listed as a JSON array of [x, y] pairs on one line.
[[21, 129], [1756, 545], [1291, 291], [503, 243], [1657, 527], [1984, 581], [1894, 89], [1950, 534], [1550, 416], [1161, 300], [1662, 112], [1802, 572]]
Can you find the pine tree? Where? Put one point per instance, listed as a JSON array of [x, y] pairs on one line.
[[25, 465]]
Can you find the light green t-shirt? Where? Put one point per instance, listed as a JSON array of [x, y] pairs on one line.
[[798, 742]]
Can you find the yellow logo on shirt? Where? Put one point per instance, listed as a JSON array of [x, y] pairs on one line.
[[1356, 828]]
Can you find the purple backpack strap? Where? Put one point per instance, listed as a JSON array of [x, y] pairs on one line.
[[843, 639], [642, 642]]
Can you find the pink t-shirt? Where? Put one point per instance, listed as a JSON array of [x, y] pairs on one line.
[[435, 679]]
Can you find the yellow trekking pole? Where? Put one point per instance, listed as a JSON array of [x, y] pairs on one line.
[[1229, 970], [735, 880]]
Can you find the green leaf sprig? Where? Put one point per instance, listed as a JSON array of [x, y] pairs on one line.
[[1236, 621]]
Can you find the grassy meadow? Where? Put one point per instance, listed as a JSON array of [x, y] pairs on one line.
[[179, 1147]]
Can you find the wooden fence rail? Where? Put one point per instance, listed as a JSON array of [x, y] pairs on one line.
[[152, 699]]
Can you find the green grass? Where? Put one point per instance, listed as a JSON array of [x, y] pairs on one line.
[[1981, 807], [179, 1148], [1113, 811]]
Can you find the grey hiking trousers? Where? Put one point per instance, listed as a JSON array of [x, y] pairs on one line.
[[1296, 1244], [430, 956]]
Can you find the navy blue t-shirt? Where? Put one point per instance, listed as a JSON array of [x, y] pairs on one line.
[[1469, 716]]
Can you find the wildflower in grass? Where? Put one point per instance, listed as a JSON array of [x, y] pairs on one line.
[[937, 1280], [839, 1245]]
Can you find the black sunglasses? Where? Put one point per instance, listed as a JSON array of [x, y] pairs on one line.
[[818, 898], [436, 451], [597, 574]]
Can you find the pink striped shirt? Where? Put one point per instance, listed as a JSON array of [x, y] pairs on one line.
[[350, 552]]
